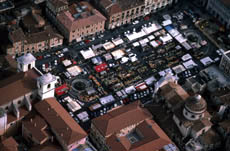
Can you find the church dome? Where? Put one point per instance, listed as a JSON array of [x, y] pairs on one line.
[[196, 104]]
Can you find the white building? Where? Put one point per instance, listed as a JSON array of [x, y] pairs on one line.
[[46, 86], [26, 62]]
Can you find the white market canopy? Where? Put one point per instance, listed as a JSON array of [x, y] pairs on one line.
[[152, 28], [66, 62], [189, 64], [206, 61], [117, 41], [87, 53], [135, 35], [180, 38], [166, 22], [108, 45], [178, 69], [186, 57], [166, 38], [135, 44], [74, 70], [154, 44], [117, 54], [144, 41]]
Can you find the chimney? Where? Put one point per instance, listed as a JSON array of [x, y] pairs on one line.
[[31, 120]]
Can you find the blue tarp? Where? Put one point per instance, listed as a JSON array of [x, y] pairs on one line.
[[168, 28]]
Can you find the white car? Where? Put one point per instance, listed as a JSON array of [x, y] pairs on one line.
[[135, 22]]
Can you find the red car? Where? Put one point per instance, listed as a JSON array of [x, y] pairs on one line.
[[87, 41], [39, 57], [146, 18]]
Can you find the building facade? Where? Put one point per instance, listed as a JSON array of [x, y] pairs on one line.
[[225, 63], [33, 35], [76, 21], [22, 43], [221, 10], [120, 12]]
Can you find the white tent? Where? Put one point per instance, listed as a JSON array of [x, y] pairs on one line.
[[87, 53], [135, 35], [108, 45], [166, 22], [117, 41], [189, 64], [206, 61], [117, 54], [74, 70], [166, 38]]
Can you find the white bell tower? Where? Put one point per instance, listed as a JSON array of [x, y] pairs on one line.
[[26, 62], [46, 86]]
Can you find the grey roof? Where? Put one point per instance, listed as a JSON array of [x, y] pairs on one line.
[[46, 78], [26, 59]]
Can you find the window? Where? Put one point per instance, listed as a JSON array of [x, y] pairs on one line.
[[29, 66], [6, 108], [48, 86], [180, 124], [19, 102], [192, 116]]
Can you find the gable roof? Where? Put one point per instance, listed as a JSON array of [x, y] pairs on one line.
[[120, 118], [17, 85], [153, 138], [9, 144], [60, 121], [89, 17], [173, 93]]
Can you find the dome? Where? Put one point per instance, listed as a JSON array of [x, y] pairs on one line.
[[26, 59], [196, 104], [46, 78]]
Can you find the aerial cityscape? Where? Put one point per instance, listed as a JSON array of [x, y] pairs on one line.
[[115, 75]]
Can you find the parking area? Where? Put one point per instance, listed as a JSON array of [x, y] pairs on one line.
[[121, 66]]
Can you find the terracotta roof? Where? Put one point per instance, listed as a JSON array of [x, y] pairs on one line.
[[17, 86], [60, 121], [36, 126], [119, 5], [89, 17], [48, 146], [173, 93], [152, 138], [9, 144], [44, 35], [22, 113], [200, 124], [120, 118], [16, 35]]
